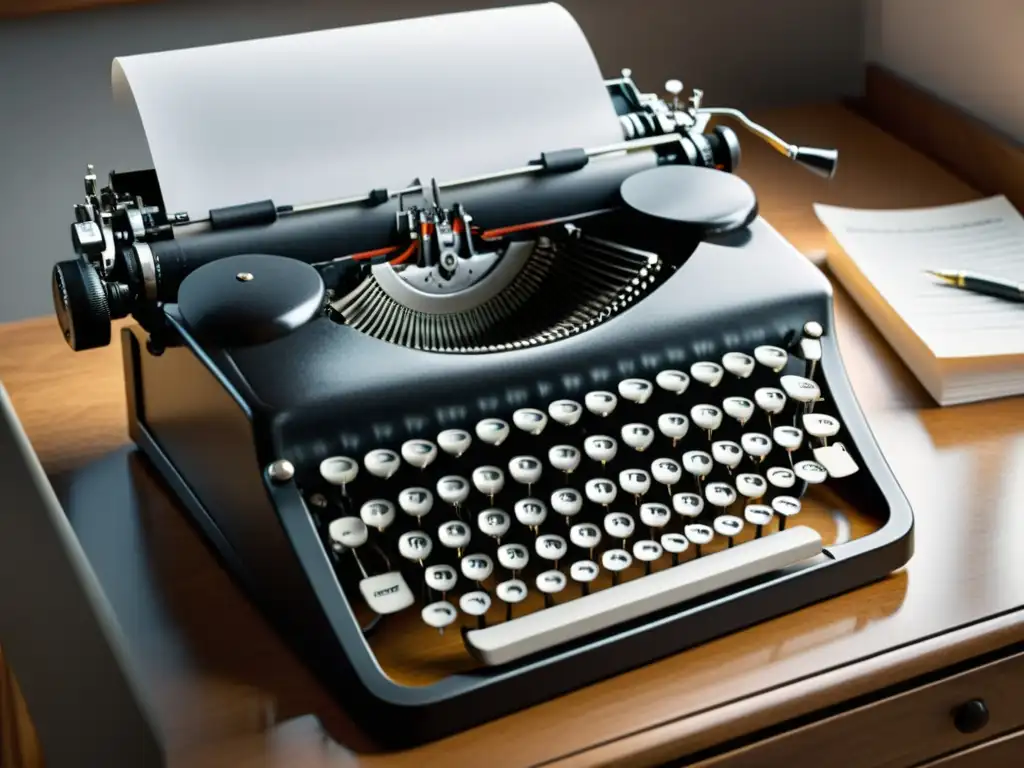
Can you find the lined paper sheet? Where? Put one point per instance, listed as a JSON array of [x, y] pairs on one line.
[[893, 249], [324, 115]]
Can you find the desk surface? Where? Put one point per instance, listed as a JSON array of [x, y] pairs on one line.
[[229, 692]]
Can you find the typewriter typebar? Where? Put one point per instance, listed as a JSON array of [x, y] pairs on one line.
[[477, 459]]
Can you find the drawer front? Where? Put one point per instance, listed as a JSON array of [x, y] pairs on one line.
[[936, 719], [1004, 752]]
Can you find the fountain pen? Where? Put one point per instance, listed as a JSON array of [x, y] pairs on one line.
[[991, 286]]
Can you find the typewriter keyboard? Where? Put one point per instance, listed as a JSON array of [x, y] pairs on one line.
[[523, 531]]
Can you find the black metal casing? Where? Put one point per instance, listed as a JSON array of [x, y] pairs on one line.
[[212, 421]]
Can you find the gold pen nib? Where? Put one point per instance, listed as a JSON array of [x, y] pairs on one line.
[[949, 277]]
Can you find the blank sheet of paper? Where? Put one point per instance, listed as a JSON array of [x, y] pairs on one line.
[[893, 249], [313, 117]]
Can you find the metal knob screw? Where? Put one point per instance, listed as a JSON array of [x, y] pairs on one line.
[[243, 277], [281, 471]]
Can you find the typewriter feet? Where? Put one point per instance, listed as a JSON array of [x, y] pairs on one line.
[[704, 201]]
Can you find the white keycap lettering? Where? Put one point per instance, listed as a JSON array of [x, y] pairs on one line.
[[673, 381], [530, 420]]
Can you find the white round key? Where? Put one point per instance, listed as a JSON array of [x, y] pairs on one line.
[[419, 453], [688, 504], [707, 373], [616, 560], [810, 472], [647, 551], [550, 546], [494, 522], [655, 515], [758, 514], [566, 412], [800, 389], [600, 403], [637, 436], [673, 381], [441, 578], [739, 408], [492, 431], [719, 494], [564, 458], [551, 582], [416, 502], [813, 329], [378, 513], [738, 364], [339, 470], [583, 571], [488, 480], [381, 462], [787, 506], [751, 485], [728, 525], [781, 477], [636, 390], [788, 437], [452, 489], [619, 525], [439, 615], [697, 463], [727, 453], [600, 491], [699, 533], [415, 546], [674, 543], [755, 444], [525, 469], [454, 535], [530, 420], [475, 603], [600, 447], [706, 416], [531, 512], [635, 482], [512, 591], [348, 532], [673, 425], [820, 425], [454, 442], [567, 501], [771, 357], [477, 567], [585, 535], [513, 557], [666, 471], [770, 400]]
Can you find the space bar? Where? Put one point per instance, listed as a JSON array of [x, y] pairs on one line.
[[523, 636]]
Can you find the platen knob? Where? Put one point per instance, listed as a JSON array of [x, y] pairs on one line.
[[80, 301]]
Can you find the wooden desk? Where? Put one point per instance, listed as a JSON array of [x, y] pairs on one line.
[[229, 693]]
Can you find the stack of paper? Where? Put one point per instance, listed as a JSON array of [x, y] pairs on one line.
[[962, 346]]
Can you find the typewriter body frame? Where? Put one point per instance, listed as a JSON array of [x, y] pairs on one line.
[[187, 385], [216, 424]]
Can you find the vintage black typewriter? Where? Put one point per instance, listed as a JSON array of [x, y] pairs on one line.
[[475, 444]]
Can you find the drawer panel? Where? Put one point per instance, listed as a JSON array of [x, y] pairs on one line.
[[1004, 752], [902, 730]]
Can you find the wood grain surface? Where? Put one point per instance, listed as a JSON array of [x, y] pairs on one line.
[[230, 693]]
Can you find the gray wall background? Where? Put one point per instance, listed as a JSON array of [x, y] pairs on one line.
[[56, 111]]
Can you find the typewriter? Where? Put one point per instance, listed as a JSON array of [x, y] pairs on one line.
[[518, 432]]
